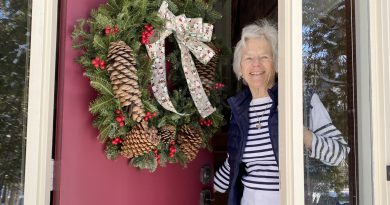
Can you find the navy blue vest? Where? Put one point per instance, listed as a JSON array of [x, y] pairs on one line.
[[238, 133]]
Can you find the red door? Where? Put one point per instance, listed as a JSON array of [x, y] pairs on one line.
[[83, 175]]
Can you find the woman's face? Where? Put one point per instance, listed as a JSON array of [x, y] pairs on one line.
[[257, 67]]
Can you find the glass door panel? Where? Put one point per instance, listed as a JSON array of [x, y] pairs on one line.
[[15, 16], [328, 72]]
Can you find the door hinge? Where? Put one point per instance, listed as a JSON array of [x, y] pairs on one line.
[[51, 175]]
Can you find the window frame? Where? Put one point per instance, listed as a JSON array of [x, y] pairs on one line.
[[38, 165]]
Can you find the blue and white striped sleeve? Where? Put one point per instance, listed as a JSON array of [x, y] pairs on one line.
[[221, 178], [328, 144]]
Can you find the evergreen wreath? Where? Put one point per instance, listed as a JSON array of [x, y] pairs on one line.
[[131, 122]]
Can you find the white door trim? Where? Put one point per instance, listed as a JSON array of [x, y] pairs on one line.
[[379, 27], [290, 102], [41, 102]]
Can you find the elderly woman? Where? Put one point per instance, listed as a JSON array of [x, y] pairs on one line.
[[251, 171]]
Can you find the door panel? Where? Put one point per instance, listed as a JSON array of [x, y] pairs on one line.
[[83, 174]]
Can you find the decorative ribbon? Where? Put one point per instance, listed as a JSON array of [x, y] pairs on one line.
[[190, 34]]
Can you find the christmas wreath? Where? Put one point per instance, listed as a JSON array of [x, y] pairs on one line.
[[159, 98]]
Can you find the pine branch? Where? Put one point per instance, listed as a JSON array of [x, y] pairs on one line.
[[172, 7], [146, 161], [113, 6], [100, 103], [103, 21], [162, 121], [104, 133], [99, 44], [112, 151], [102, 86], [149, 106]]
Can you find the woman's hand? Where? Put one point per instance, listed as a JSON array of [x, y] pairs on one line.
[[307, 138]]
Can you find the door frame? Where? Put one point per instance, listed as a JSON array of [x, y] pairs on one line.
[[379, 64], [41, 89], [372, 38], [373, 83]]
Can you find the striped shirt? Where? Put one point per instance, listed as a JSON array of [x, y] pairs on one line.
[[262, 171], [328, 144]]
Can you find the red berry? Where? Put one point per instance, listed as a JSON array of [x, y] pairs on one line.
[[107, 30], [118, 119], [121, 124], [146, 118], [122, 117], [116, 29], [118, 112], [154, 114], [173, 142]]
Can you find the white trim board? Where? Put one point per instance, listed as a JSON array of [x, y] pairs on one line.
[[41, 102], [290, 102]]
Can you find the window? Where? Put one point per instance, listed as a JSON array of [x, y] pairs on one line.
[[15, 19], [328, 70]]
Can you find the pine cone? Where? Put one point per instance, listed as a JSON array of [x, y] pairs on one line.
[[167, 134], [124, 79], [139, 141], [190, 141], [207, 72]]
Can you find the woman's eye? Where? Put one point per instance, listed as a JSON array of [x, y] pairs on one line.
[[265, 57]]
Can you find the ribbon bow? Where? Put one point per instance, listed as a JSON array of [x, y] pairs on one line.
[[190, 34]]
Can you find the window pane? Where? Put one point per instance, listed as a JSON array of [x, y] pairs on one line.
[[328, 72], [15, 18]]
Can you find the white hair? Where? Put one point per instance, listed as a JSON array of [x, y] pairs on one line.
[[260, 29]]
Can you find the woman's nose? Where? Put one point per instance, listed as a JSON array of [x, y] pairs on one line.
[[256, 61]]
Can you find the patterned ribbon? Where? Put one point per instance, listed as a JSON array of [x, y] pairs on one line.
[[190, 34]]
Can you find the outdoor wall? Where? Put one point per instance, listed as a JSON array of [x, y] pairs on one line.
[[83, 175]]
